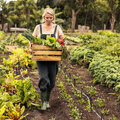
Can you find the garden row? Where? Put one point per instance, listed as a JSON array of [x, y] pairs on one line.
[[16, 90], [100, 53], [12, 39], [83, 100]]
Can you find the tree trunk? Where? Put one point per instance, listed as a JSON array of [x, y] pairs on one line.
[[28, 14], [2, 21], [113, 19], [119, 27], [119, 24], [112, 22], [92, 26], [86, 19], [73, 19]]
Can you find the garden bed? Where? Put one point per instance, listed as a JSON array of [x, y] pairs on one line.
[[59, 109]]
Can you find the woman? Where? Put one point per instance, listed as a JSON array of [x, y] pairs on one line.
[[47, 69]]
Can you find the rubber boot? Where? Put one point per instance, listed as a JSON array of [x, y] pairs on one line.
[[44, 99], [48, 97]]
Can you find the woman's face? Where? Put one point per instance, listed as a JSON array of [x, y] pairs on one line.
[[48, 18]]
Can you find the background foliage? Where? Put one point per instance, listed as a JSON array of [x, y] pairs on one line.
[[93, 13]]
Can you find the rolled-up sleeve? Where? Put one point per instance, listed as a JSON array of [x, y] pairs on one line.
[[60, 32], [36, 31]]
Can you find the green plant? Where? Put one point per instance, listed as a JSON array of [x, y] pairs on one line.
[[17, 91], [2, 34], [81, 55], [11, 112], [26, 92], [91, 90], [70, 102], [50, 41], [88, 107], [64, 52], [74, 110], [105, 111], [9, 84], [105, 69], [21, 41], [3, 71], [113, 118], [82, 101], [75, 113], [100, 102], [77, 93], [19, 59], [52, 118]]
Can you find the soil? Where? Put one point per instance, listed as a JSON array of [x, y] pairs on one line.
[[59, 109], [103, 92]]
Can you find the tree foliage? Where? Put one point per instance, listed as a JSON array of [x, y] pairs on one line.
[[70, 13]]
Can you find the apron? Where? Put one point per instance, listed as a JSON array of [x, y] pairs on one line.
[[47, 69]]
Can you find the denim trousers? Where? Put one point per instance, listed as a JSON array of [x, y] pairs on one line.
[[47, 71]]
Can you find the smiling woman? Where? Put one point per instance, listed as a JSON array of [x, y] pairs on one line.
[[47, 69]]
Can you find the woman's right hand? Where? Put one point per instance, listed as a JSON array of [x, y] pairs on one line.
[[30, 47]]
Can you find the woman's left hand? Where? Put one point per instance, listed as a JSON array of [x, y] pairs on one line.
[[61, 41]]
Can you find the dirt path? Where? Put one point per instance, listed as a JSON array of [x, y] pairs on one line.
[[59, 109]]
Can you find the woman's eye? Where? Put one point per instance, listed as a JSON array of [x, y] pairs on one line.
[[49, 18]]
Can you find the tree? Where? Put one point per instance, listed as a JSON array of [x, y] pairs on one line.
[[3, 12], [12, 16], [20, 13], [118, 17], [24, 9], [113, 4], [44, 3], [74, 7], [102, 13]]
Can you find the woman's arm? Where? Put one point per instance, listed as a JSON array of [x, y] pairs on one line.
[[61, 37], [36, 31], [35, 34], [60, 33]]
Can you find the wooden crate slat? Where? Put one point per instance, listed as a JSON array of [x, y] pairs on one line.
[[41, 47], [47, 52], [46, 58]]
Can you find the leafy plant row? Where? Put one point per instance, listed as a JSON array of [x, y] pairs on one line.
[[12, 39], [88, 92], [102, 59], [15, 92], [74, 110], [100, 42], [106, 69], [2, 34]]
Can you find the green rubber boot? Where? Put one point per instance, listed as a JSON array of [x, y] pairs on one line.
[[48, 97], [44, 99]]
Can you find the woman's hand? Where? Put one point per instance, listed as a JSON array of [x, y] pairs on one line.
[[30, 47], [61, 40]]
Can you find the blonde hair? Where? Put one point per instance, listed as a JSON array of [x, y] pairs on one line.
[[49, 11]]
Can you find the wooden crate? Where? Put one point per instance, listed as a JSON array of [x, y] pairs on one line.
[[45, 53]]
